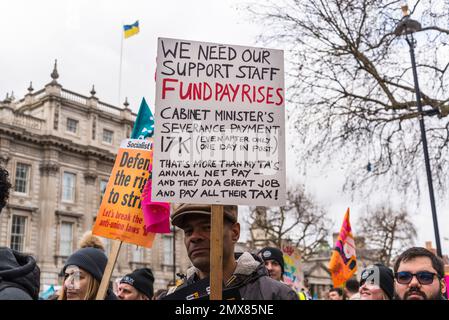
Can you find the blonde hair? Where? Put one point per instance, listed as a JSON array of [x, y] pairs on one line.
[[92, 288]]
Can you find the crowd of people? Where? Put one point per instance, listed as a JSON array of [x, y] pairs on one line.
[[418, 274]]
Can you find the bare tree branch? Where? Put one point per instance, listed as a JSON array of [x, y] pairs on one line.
[[387, 231], [351, 85], [301, 222]]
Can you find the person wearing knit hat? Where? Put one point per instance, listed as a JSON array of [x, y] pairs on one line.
[[274, 262], [377, 283], [244, 274], [83, 272], [137, 285]]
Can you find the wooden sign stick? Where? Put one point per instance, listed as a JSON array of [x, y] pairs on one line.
[[216, 253], [115, 250]]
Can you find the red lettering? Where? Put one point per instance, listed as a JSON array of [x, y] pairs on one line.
[[218, 90], [188, 94], [280, 95], [245, 89], [226, 93], [207, 86], [165, 88], [234, 91], [261, 93], [197, 89], [269, 95]]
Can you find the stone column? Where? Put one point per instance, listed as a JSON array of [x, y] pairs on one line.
[[90, 190], [49, 193]]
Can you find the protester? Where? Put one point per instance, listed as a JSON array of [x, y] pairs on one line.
[[19, 273], [419, 275], [376, 283], [83, 272], [351, 289], [274, 262], [159, 293], [336, 294], [19, 276], [245, 274], [5, 186], [137, 285]]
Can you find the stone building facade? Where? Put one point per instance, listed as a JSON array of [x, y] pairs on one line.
[[59, 148]]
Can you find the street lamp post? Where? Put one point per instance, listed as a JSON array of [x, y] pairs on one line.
[[407, 27]]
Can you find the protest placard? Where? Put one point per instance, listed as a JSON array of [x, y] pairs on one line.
[[220, 133], [120, 215], [293, 275]]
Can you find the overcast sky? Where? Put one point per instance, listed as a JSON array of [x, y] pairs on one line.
[[85, 37]]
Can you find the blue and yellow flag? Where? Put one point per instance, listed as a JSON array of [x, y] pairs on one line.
[[131, 29], [144, 125]]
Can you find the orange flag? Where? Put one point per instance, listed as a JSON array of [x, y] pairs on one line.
[[343, 263]]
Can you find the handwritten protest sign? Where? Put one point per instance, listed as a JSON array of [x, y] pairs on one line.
[[219, 132], [120, 215], [292, 267]]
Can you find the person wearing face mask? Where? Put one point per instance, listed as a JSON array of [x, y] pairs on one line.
[[419, 275], [376, 283], [83, 272]]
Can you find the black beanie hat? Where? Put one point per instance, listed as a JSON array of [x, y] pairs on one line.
[[89, 259], [380, 275], [271, 253], [142, 280]]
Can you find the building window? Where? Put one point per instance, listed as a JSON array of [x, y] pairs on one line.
[[68, 187], [22, 176], [108, 136], [18, 232], [137, 254], [66, 239], [72, 125], [103, 185], [107, 245], [168, 251]]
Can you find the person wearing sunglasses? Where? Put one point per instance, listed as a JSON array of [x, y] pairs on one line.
[[419, 275], [376, 283]]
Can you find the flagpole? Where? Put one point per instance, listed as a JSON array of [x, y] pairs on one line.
[[120, 70]]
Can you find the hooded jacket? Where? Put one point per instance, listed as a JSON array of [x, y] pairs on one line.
[[19, 276], [251, 279]]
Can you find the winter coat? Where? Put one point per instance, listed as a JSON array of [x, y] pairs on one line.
[[19, 276], [251, 279]]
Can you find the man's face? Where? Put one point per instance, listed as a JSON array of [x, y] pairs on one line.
[[128, 292], [333, 295], [197, 240], [415, 290], [274, 269]]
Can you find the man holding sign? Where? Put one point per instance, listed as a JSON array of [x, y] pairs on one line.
[[244, 276], [219, 136]]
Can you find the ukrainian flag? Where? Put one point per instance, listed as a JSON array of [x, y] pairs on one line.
[[131, 29]]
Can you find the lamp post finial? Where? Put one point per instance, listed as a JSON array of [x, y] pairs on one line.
[[404, 9]]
